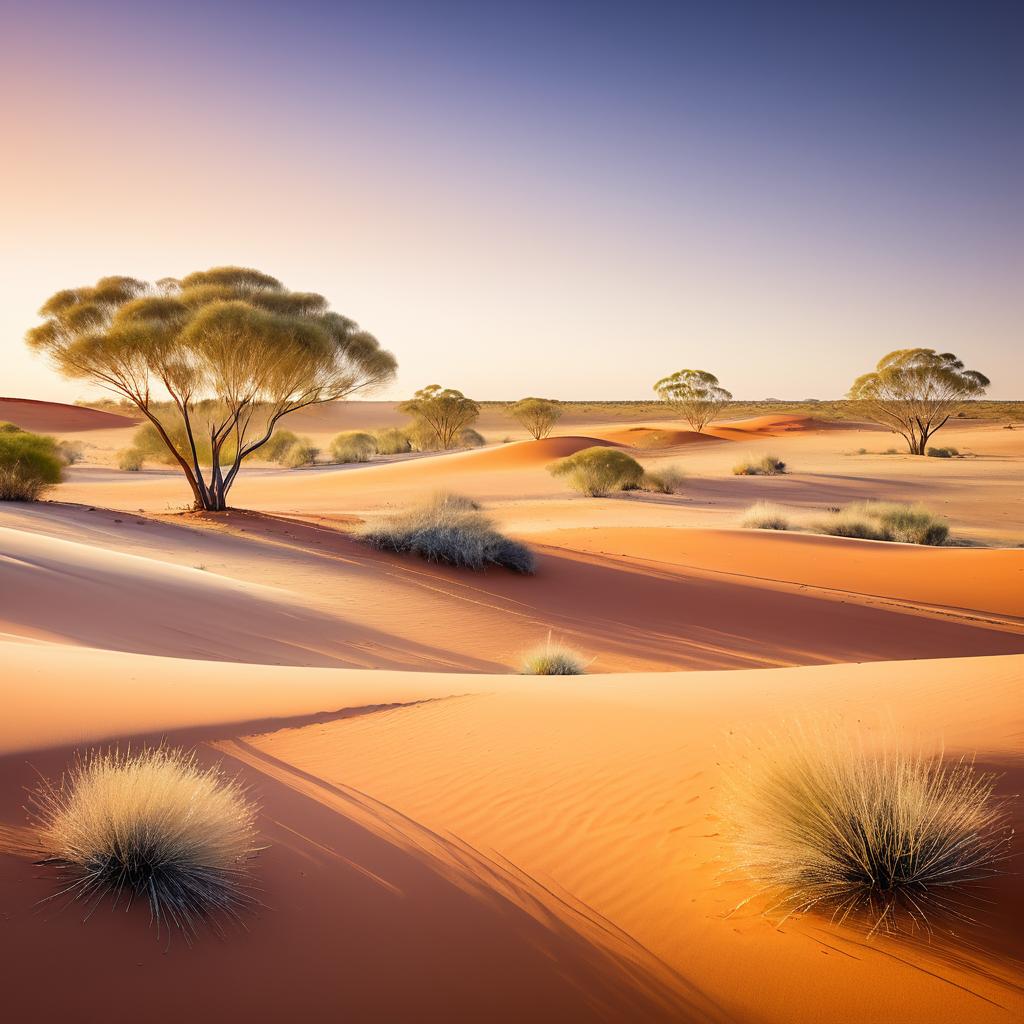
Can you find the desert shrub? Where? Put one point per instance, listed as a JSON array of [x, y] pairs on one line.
[[152, 824], [130, 460], [9, 428], [537, 415], [597, 471], [353, 446], [29, 465], [153, 448], [890, 451], [766, 465], [423, 437], [882, 520], [553, 659], [300, 454], [391, 441], [71, 452], [450, 529], [666, 480], [470, 438], [820, 823], [943, 453], [277, 447], [764, 515]]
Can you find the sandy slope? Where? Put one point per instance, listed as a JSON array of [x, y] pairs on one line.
[[513, 847], [57, 418], [293, 592]]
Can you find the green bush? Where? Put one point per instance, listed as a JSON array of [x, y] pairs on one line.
[[766, 465], [277, 447], [449, 529], [765, 516], [598, 471], [353, 446], [889, 521], [9, 428], [29, 465], [300, 454], [943, 453], [130, 460], [391, 441]]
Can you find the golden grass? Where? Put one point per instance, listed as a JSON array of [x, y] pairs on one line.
[[764, 465], [153, 825], [553, 659], [765, 515], [894, 838]]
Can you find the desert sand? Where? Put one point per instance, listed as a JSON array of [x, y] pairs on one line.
[[448, 840]]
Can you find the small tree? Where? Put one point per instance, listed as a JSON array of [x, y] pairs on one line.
[[233, 348], [442, 411], [695, 395], [913, 391], [536, 415]]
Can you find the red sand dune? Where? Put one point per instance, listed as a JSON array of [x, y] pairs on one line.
[[58, 418], [666, 438]]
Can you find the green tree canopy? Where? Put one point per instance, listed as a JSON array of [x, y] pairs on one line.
[[537, 415], [233, 349], [695, 395], [913, 391], [443, 411]]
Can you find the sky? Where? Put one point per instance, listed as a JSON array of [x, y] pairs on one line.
[[570, 199]]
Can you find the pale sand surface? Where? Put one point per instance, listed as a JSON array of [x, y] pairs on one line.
[[447, 840]]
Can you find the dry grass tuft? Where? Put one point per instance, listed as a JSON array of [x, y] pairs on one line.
[[553, 659], [764, 515], [151, 825], [895, 839], [889, 521], [766, 465], [449, 528], [666, 480]]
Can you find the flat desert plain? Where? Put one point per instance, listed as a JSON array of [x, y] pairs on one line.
[[446, 839]]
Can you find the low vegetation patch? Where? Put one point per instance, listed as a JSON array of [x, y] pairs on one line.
[[29, 465], [450, 529], [301, 454], [666, 480], [131, 460], [765, 515], [353, 446], [892, 837], [765, 465], [151, 825], [277, 447], [883, 520], [470, 438], [944, 453], [553, 659], [391, 441], [598, 471]]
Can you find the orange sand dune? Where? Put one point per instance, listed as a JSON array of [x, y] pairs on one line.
[[490, 847], [526, 454], [341, 602], [652, 437], [57, 418]]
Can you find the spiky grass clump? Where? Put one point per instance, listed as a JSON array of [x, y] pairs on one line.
[[766, 465], [890, 521], [944, 453], [553, 659], [450, 528], [764, 515], [151, 825], [893, 838]]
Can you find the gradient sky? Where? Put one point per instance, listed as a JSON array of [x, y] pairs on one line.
[[530, 198]]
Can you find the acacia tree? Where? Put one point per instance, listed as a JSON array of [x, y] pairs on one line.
[[233, 349], [443, 411], [694, 394], [913, 391], [536, 415]]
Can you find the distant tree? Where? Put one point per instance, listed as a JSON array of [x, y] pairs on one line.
[[442, 411], [694, 394], [536, 415], [913, 391], [233, 348]]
